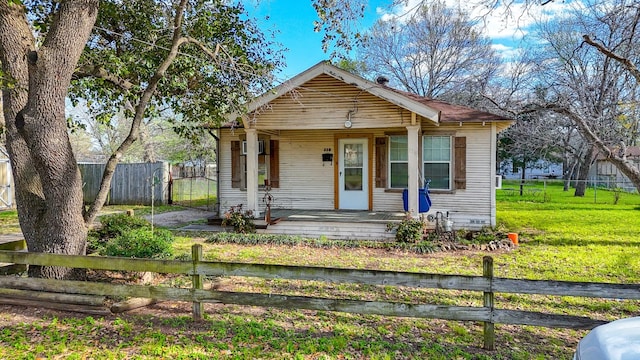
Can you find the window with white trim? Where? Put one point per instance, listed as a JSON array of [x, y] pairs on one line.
[[436, 161], [398, 162]]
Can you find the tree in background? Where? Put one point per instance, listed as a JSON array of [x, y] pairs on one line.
[[357, 67], [437, 52], [200, 58], [597, 93]]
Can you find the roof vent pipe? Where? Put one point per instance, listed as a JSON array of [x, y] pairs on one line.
[[382, 80]]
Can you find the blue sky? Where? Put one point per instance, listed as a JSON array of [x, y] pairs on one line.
[[294, 21]]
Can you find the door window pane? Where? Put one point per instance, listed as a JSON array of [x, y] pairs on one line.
[[353, 179], [353, 155]]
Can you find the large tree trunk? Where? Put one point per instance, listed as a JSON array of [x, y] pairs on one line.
[[48, 183]]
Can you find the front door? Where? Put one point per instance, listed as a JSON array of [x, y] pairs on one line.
[[353, 179]]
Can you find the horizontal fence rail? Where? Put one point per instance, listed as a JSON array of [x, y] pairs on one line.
[[197, 269]]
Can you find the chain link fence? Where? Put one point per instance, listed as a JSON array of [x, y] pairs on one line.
[[195, 192], [536, 189]]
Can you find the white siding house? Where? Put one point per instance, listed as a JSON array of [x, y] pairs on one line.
[[330, 140]]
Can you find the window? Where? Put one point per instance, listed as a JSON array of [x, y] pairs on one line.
[[436, 161], [398, 161], [268, 166]]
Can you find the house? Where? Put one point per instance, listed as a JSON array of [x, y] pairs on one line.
[[605, 174], [540, 169], [333, 143]]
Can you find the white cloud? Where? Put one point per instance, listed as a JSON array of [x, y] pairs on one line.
[[510, 22], [506, 51]]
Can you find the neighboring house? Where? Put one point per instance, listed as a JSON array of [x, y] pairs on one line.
[[542, 169], [605, 174], [328, 140]]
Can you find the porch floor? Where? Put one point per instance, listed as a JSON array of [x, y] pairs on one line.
[[345, 216]]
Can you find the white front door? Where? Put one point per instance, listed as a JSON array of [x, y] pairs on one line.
[[353, 174]]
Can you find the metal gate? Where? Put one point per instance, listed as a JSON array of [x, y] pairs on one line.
[[196, 192]]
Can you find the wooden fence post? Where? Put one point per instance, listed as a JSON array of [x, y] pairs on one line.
[[489, 326], [197, 280]]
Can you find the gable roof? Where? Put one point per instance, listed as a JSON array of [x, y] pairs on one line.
[[375, 89], [435, 110]]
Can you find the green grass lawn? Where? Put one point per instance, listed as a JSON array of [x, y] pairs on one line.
[[572, 238], [561, 238]]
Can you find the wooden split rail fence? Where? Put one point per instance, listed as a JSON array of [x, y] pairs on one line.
[[487, 284]]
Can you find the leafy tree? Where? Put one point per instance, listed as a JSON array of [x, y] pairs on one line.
[[202, 59], [202, 69], [352, 66]]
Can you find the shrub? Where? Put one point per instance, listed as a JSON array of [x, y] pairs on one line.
[[118, 224], [242, 221], [409, 230], [111, 227], [140, 243]]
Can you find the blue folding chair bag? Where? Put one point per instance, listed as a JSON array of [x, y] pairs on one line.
[[424, 200]]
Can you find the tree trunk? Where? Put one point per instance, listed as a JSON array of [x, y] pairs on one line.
[[147, 144], [48, 183], [583, 171], [523, 177], [565, 172]]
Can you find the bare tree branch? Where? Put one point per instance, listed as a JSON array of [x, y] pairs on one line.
[[628, 64]]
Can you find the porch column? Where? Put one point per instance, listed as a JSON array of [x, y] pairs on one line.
[[252, 171], [413, 164]]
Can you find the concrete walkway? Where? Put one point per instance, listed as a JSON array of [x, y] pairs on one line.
[[176, 219]]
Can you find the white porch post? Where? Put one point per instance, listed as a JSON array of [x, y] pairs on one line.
[[492, 166], [252, 171], [414, 167]]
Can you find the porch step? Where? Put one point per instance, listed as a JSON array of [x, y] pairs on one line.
[[331, 230], [260, 224], [214, 221]]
